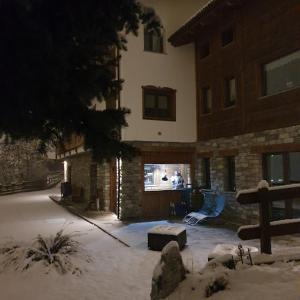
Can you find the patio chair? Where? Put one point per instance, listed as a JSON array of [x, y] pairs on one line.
[[212, 207]]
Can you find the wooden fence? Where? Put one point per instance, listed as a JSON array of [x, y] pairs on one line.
[[24, 186]]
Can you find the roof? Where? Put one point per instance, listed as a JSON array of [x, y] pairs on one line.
[[186, 33]]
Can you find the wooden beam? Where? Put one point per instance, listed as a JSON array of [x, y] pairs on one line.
[[276, 229], [275, 194]]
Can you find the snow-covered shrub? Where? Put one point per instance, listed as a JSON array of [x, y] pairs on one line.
[[53, 251], [217, 284]]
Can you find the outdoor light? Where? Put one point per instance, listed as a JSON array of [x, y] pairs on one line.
[[65, 171]]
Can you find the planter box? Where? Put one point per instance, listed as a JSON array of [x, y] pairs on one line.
[[161, 235]]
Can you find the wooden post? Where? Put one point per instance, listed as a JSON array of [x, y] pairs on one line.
[[264, 222]]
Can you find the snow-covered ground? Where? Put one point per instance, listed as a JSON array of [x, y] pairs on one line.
[[115, 271]]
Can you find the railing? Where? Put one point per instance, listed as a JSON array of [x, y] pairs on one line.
[[264, 196], [24, 186]]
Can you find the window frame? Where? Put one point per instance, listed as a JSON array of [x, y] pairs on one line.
[[204, 98], [158, 91], [285, 167], [205, 173], [230, 174], [263, 77], [204, 50], [227, 29], [227, 102], [151, 35]]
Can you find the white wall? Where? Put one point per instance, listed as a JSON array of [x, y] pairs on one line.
[[174, 69]]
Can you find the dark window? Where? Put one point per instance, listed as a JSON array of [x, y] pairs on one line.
[[230, 176], [153, 41], [206, 100], [230, 92], [227, 36], [205, 171], [159, 103], [282, 168], [204, 50], [281, 74]]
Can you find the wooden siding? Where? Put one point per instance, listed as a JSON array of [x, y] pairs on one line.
[[264, 30]]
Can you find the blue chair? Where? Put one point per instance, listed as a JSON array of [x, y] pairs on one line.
[[212, 207]]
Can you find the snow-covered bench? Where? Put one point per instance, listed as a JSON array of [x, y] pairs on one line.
[[161, 235]]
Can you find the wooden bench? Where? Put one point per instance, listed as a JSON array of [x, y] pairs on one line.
[[161, 235]]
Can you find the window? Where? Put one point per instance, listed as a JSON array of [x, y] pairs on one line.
[[206, 100], [230, 176], [153, 41], [159, 103], [281, 74], [158, 177], [230, 92], [205, 173], [282, 168], [204, 50], [227, 36]]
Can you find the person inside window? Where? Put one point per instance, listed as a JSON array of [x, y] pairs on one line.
[[177, 181]]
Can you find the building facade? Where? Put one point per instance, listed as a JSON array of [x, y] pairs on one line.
[[218, 103], [248, 95]]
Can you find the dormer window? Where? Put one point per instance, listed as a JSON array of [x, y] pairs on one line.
[[153, 41]]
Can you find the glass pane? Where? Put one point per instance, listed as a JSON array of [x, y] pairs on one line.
[[282, 74], [275, 168], [207, 100], [294, 166], [232, 90], [162, 102], [166, 176], [150, 101]]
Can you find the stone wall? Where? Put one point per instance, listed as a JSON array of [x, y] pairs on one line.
[[131, 188], [103, 183], [81, 173], [20, 161], [248, 165]]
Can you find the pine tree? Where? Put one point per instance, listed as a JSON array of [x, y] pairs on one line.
[[56, 60]]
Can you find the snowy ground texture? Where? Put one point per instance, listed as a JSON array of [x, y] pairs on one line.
[[107, 269]]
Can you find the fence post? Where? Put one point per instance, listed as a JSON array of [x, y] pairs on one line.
[[264, 222]]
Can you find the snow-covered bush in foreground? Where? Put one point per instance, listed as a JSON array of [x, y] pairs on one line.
[[276, 277], [56, 251]]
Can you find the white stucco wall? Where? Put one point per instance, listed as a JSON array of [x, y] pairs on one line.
[[174, 69]]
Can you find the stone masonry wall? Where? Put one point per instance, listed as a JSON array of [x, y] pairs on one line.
[[131, 188], [248, 165], [80, 173], [103, 183], [20, 161]]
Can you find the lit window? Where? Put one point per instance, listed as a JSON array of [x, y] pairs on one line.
[[159, 103], [206, 100], [166, 176], [230, 92], [281, 74]]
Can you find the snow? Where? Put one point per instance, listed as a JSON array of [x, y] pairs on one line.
[[107, 269], [223, 249], [269, 282], [116, 271], [167, 230]]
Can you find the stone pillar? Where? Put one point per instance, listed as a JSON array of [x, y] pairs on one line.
[[131, 188]]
